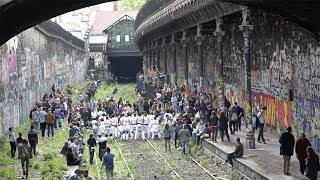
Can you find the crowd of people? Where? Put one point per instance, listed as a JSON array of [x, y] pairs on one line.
[[201, 114], [48, 115], [185, 117]]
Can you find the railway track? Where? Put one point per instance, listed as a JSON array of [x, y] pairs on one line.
[[147, 162], [152, 161], [124, 160], [189, 167]]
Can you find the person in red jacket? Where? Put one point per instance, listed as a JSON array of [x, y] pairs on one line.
[[301, 151]]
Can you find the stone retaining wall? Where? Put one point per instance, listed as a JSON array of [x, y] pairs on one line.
[[30, 63]]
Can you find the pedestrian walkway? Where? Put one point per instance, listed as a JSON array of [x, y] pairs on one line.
[[264, 162]]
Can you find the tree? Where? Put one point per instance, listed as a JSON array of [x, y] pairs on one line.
[[130, 5]]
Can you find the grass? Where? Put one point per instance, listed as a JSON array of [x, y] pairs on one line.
[[232, 175], [77, 90], [165, 170], [175, 178], [126, 91], [172, 164], [204, 162], [216, 162], [194, 149]]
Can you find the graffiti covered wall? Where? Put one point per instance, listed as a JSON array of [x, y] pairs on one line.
[[29, 64], [284, 58]]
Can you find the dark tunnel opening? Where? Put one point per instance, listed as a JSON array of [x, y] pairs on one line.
[[125, 68]]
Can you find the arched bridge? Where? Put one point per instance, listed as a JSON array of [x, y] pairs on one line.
[[18, 15]]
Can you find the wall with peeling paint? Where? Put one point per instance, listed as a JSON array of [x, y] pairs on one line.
[[283, 56], [29, 64]]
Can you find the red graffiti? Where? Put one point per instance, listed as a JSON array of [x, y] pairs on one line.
[[284, 114]]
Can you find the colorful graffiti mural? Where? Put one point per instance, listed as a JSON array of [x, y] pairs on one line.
[[308, 119]]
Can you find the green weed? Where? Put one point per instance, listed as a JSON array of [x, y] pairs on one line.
[[8, 173], [165, 170], [175, 178], [216, 162], [48, 156], [233, 175], [34, 164], [204, 162]]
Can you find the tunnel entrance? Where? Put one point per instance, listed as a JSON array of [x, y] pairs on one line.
[[125, 68]]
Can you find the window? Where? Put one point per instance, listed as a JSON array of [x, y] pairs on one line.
[[118, 38], [126, 38]]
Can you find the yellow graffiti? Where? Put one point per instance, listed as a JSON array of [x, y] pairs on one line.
[[248, 107], [271, 112], [285, 111]]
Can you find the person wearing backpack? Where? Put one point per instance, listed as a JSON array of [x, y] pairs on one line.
[[59, 117], [260, 116], [35, 118], [24, 154], [239, 113], [13, 141], [50, 118], [233, 120], [33, 139], [255, 121]]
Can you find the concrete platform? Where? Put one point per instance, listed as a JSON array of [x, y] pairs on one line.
[[264, 162]]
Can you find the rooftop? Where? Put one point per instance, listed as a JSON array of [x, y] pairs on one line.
[[104, 19]]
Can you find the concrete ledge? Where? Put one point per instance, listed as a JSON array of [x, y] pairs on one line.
[[239, 165]]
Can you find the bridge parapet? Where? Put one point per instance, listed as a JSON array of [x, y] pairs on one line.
[[177, 16]]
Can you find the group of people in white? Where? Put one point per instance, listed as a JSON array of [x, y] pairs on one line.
[[126, 126]]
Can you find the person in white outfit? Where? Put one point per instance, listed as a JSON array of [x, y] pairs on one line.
[[125, 122], [102, 121], [107, 129], [95, 127], [133, 125], [114, 123], [174, 102], [140, 128], [147, 124], [155, 128]]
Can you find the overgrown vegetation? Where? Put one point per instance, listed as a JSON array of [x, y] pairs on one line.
[[195, 151], [126, 91]]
